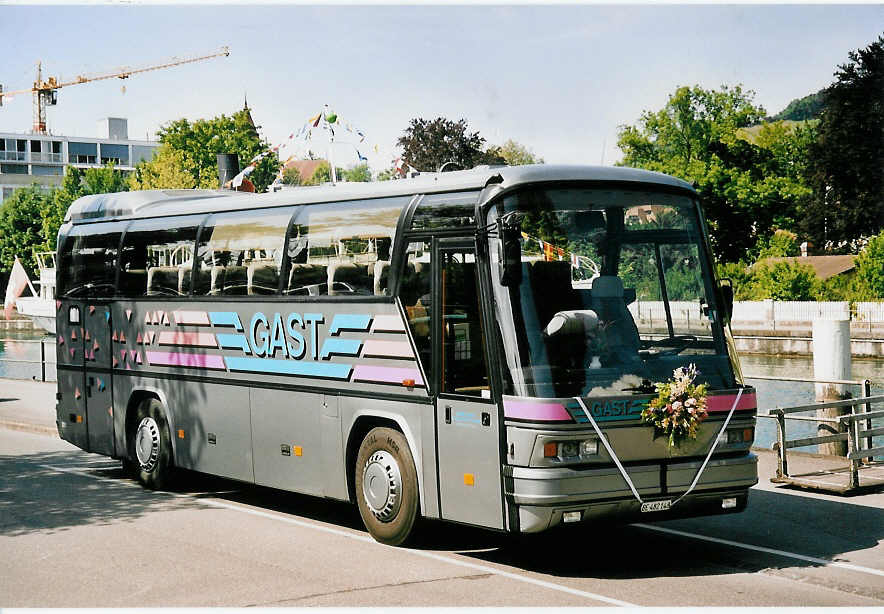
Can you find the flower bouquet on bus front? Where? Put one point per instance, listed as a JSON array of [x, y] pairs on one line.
[[679, 408]]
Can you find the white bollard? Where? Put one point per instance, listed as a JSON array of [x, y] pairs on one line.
[[831, 361]]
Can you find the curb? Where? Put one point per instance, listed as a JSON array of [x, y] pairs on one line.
[[37, 429]]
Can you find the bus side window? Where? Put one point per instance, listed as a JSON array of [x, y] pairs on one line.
[[240, 253], [157, 258], [91, 263], [415, 294]]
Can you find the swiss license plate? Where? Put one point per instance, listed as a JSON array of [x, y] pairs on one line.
[[657, 506]]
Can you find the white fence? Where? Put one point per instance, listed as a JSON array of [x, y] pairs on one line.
[[770, 313]]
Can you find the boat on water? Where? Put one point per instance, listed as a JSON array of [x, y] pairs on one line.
[[41, 308]]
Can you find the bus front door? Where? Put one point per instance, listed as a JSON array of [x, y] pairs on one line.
[[466, 417]]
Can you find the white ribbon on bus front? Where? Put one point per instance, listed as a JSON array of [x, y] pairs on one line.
[[625, 475]]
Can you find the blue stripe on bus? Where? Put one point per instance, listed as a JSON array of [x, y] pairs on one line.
[[229, 341], [225, 318], [349, 321], [342, 347], [289, 367]]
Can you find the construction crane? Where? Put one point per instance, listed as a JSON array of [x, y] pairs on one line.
[[46, 92]]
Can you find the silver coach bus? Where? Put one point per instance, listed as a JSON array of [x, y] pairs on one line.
[[474, 346]]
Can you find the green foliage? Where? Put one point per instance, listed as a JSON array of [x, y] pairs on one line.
[[781, 243], [291, 176], [360, 173], [869, 278], [742, 185], [785, 281], [321, 175], [741, 277], [847, 158], [515, 154], [196, 146], [427, 145], [21, 226], [167, 170], [76, 183], [801, 109], [387, 174]]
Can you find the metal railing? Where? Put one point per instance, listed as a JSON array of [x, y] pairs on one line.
[[42, 362], [856, 427]]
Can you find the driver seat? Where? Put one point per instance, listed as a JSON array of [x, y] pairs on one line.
[[615, 320]]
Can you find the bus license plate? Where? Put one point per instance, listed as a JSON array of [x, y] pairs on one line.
[[657, 506]]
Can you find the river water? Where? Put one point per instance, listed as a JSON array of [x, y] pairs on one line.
[[770, 393]]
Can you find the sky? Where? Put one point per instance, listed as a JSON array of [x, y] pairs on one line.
[[557, 79]]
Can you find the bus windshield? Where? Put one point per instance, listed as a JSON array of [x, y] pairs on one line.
[[613, 294]]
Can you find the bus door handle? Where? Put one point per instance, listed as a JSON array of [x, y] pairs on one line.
[[447, 415]]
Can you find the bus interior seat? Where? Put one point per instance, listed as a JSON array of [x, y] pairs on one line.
[[609, 302], [163, 281], [236, 281], [302, 275], [552, 279], [355, 277], [263, 278], [133, 282], [381, 277]]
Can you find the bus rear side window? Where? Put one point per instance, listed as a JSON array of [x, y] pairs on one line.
[[89, 262]]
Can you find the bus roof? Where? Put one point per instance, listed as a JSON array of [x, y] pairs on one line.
[[156, 203]]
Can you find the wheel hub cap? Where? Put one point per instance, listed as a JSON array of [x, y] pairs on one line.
[[382, 485], [147, 444]]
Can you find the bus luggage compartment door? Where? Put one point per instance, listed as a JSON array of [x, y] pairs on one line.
[[99, 353], [469, 462]]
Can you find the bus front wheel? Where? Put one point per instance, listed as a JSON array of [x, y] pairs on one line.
[[386, 486], [150, 448]]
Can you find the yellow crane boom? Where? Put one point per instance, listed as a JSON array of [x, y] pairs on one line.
[[44, 92]]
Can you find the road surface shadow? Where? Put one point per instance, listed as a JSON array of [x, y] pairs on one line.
[[36, 499]]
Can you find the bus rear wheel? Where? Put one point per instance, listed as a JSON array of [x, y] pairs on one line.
[[150, 447], [386, 486]]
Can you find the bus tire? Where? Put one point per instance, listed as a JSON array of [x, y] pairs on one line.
[[150, 447], [386, 486]]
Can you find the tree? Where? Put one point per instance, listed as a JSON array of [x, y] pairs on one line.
[[291, 176], [167, 170], [322, 174], [782, 243], [747, 189], [516, 154], [847, 158], [427, 145], [196, 146], [869, 278], [360, 172], [802, 109], [785, 281], [21, 226]]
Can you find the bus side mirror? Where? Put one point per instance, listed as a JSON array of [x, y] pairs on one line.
[[510, 255], [727, 297]]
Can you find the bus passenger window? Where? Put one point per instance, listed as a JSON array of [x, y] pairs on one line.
[[415, 294], [240, 253], [342, 249], [463, 367], [157, 258]]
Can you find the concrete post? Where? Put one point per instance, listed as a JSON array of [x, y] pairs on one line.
[[831, 361]]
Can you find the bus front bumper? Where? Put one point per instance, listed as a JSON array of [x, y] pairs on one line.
[[546, 497]]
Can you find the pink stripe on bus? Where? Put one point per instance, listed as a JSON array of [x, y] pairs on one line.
[[386, 375], [194, 318], [535, 410], [175, 337], [387, 349], [724, 402], [180, 359], [388, 324]]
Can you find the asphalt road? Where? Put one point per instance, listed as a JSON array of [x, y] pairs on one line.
[[74, 532]]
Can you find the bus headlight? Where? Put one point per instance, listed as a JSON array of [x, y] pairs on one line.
[[590, 447]]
